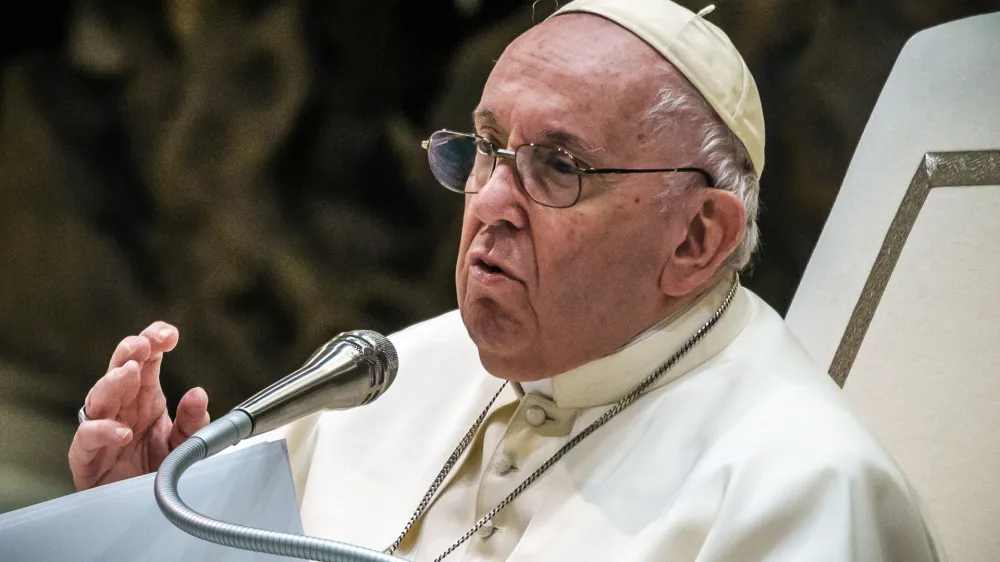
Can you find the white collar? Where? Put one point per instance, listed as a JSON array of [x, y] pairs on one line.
[[541, 386], [606, 380]]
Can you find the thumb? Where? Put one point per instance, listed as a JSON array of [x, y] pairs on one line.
[[192, 415]]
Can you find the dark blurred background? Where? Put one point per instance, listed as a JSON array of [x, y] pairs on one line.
[[250, 171]]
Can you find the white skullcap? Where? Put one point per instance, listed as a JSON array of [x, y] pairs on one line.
[[702, 52]]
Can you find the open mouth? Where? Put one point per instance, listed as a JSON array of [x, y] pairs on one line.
[[483, 264], [490, 268]]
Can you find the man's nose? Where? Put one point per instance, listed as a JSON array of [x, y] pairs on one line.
[[501, 198]]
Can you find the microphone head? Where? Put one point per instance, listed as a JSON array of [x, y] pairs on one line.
[[350, 370], [383, 354]]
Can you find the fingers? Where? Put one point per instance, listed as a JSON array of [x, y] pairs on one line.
[[130, 391], [162, 337], [114, 390], [192, 415], [131, 348], [95, 444], [157, 339]]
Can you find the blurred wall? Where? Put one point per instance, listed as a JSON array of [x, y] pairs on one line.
[[251, 172]]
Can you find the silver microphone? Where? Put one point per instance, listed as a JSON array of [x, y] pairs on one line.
[[352, 369]]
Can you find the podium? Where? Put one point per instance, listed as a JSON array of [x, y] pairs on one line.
[[121, 521], [901, 298]]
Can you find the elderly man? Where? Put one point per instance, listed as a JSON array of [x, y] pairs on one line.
[[606, 391]]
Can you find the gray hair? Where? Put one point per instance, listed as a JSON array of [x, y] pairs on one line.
[[725, 158]]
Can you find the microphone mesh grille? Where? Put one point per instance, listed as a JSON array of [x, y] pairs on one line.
[[385, 350]]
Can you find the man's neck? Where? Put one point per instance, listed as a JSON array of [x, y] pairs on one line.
[[671, 330]]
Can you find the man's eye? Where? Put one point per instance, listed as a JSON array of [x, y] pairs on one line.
[[484, 146], [561, 163]]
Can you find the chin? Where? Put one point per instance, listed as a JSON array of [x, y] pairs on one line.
[[501, 337], [491, 327]]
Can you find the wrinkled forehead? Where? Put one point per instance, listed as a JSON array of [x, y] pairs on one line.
[[580, 68]]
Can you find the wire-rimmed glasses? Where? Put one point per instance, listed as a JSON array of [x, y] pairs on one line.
[[550, 176]]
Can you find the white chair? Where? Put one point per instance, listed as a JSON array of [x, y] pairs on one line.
[[901, 298]]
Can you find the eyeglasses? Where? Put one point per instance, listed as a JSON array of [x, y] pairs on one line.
[[552, 177]]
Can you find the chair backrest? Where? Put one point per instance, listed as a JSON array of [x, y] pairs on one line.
[[901, 298]]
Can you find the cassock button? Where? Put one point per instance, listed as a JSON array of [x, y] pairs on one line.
[[535, 416], [486, 530], [503, 464]]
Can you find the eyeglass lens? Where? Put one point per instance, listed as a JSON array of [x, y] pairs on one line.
[[464, 163]]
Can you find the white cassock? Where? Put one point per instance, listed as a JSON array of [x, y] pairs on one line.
[[743, 451]]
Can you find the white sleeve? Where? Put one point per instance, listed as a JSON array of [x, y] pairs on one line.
[[843, 507]]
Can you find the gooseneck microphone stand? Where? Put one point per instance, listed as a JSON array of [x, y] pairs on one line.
[[352, 369]]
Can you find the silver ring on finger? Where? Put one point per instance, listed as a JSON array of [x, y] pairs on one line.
[[82, 414]]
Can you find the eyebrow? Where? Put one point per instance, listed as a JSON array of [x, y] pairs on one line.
[[572, 143], [484, 115]]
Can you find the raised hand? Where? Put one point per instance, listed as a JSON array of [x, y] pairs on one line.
[[130, 431]]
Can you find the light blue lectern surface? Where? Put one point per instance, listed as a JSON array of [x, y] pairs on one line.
[[121, 521]]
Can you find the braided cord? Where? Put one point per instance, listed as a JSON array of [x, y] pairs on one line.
[[455, 455]]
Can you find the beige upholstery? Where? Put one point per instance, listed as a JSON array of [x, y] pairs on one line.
[[901, 299]]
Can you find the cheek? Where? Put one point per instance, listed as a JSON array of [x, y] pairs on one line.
[[586, 230], [558, 241], [469, 228], [569, 253], [619, 244]]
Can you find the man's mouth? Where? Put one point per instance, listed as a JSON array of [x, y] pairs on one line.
[[491, 269], [483, 264]]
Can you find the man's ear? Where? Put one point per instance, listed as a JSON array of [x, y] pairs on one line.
[[716, 221]]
